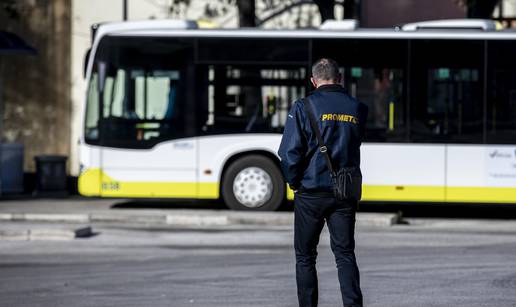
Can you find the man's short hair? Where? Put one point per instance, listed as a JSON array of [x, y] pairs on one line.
[[325, 69]]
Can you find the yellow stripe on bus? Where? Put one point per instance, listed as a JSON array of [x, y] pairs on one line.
[[89, 182], [481, 194], [93, 182], [403, 193], [439, 194]]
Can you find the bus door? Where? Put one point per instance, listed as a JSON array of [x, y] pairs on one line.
[[145, 148], [493, 179], [447, 108], [147, 144]]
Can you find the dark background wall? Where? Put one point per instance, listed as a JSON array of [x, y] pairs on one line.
[[36, 88], [381, 13]]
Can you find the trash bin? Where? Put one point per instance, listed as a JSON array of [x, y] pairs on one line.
[[11, 166], [50, 175]]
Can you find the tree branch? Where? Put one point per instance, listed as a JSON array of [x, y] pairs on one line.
[[288, 8]]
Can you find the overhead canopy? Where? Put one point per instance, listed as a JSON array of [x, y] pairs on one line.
[[11, 43]]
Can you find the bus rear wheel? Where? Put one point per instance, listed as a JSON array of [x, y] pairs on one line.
[[253, 183]]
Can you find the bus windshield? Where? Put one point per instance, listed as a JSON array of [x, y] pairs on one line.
[[156, 89]]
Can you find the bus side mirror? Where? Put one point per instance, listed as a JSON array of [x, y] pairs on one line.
[[85, 64], [101, 69]]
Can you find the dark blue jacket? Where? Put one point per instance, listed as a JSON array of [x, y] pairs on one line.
[[341, 119]]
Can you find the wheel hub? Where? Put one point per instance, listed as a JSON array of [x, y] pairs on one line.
[[252, 187]]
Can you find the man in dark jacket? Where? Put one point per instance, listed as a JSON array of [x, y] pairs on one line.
[[341, 120]]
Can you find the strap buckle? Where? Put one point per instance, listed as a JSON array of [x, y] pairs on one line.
[[323, 149]]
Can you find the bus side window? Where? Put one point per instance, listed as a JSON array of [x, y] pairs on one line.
[[446, 96], [381, 89], [250, 99], [501, 98], [374, 72], [91, 124]]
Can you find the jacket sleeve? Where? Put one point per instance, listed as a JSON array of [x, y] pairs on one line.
[[293, 147]]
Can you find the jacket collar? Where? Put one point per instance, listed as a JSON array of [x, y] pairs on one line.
[[330, 88]]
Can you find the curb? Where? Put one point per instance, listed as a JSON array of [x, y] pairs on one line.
[[39, 233], [378, 219], [196, 218]]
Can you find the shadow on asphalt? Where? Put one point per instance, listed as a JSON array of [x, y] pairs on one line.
[[169, 204], [477, 211]]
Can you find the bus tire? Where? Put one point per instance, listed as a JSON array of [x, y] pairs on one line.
[[253, 183]]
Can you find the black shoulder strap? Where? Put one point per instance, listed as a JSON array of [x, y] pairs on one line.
[[322, 147]]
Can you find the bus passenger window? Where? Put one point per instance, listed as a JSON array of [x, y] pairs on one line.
[[381, 89], [446, 91], [501, 95], [453, 101], [374, 71], [248, 99]]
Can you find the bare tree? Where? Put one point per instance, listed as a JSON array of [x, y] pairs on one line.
[[351, 9], [326, 9], [480, 8], [246, 13]]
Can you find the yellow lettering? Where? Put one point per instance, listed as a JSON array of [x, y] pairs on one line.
[[340, 117]]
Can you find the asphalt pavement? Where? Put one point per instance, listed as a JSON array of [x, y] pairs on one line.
[[424, 262], [433, 263]]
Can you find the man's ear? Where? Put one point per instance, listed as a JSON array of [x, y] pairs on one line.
[[313, 82]]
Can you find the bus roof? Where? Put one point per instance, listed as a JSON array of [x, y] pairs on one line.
[[181, 28]]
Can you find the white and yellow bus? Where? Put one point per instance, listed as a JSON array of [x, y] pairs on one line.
[[174, 111]]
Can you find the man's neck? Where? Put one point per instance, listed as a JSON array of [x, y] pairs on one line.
[[321, 83]]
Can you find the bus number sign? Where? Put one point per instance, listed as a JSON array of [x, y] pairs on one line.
[[110, 186]]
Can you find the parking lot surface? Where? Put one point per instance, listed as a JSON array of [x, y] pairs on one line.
[[428, 262]]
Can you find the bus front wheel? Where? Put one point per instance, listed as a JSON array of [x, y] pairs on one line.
[[253, 183]]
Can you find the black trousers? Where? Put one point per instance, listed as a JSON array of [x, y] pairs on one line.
[[310, 214]]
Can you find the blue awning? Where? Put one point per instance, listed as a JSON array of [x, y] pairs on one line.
[[11, 43]]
